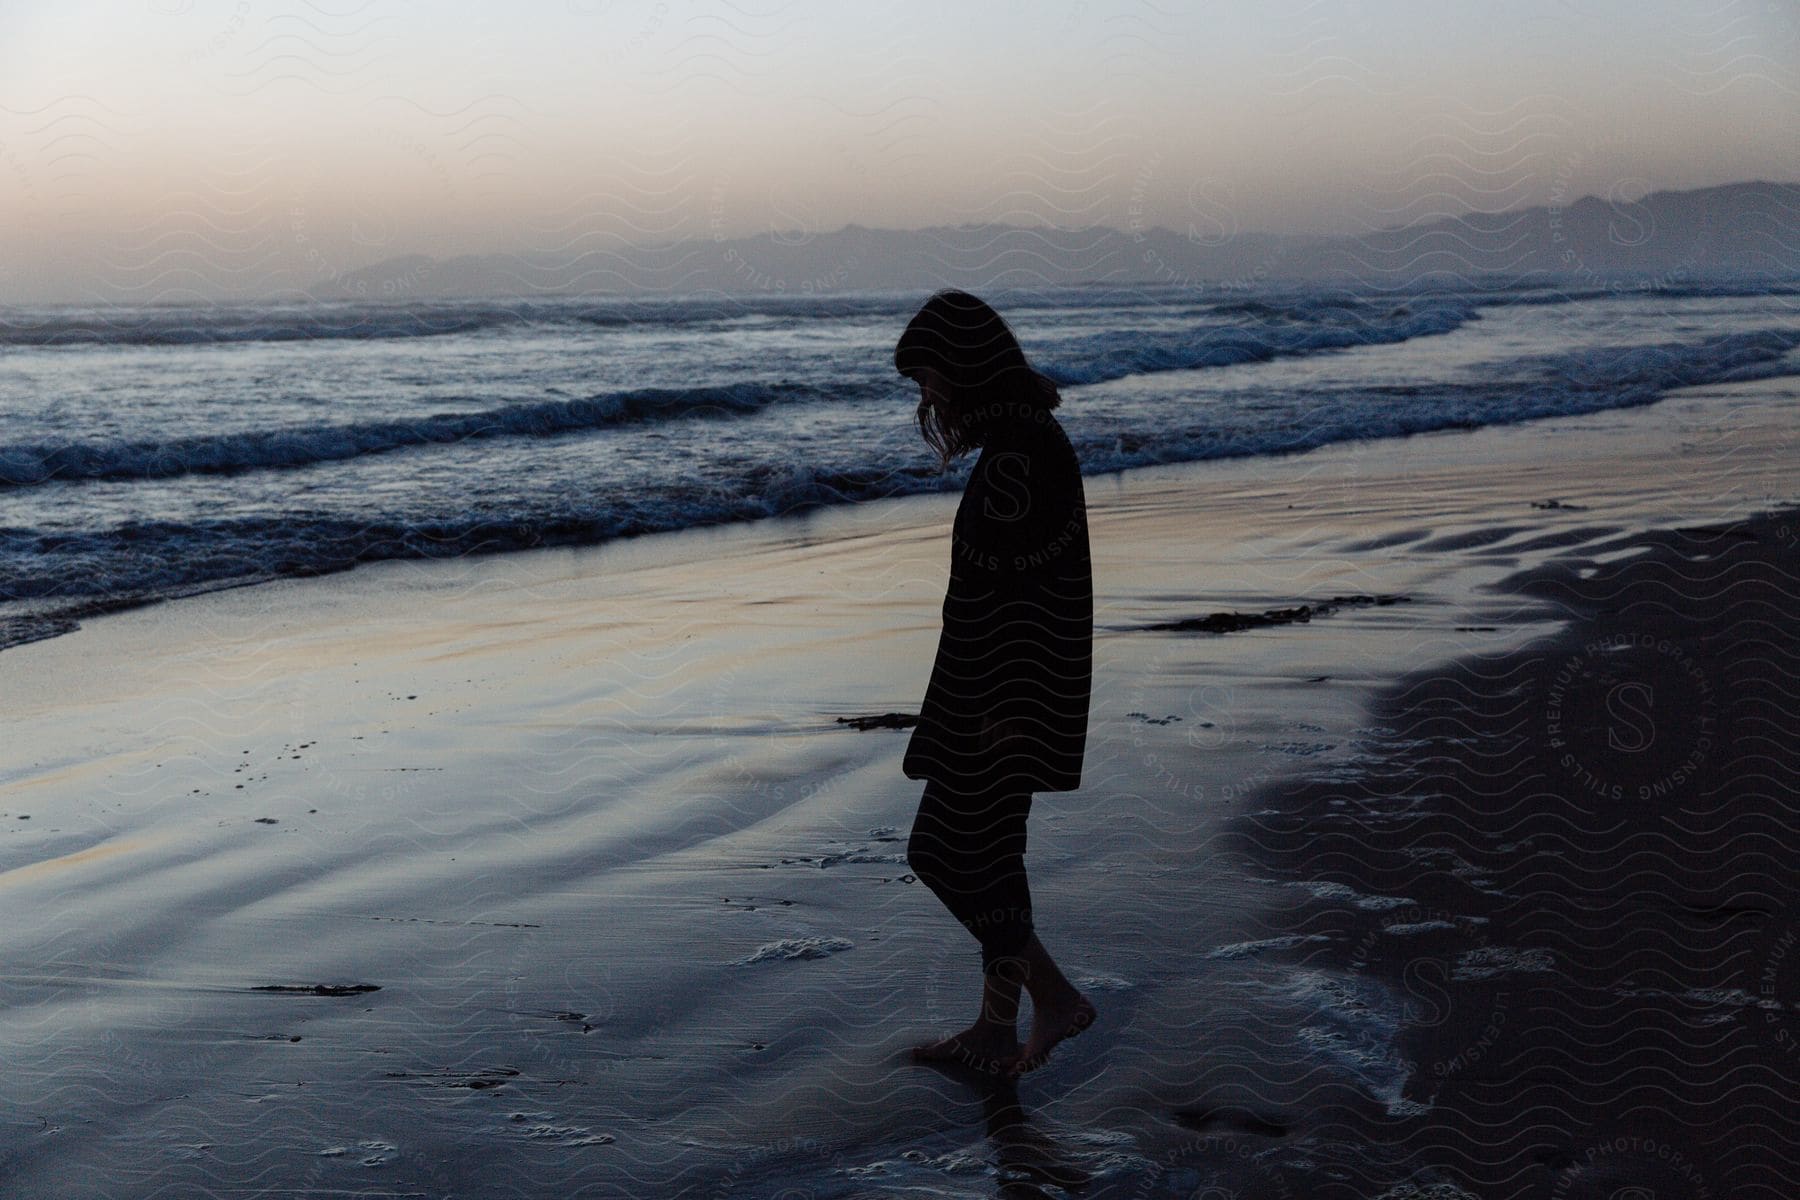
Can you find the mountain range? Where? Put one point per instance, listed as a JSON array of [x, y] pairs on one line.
[[1737, 228]]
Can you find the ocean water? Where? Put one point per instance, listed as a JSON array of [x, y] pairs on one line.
[[155, 451]]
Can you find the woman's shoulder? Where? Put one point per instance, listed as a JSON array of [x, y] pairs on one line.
[[1039, 435], [1029, 468]]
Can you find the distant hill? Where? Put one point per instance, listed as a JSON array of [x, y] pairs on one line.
[[1674, 235]]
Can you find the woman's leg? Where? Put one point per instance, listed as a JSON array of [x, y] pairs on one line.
[[968, 848], [1058, 1009]]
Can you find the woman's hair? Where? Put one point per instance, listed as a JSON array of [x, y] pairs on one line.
[[968, 344]]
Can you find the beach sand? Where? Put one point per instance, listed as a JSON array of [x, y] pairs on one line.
[[555, 874]]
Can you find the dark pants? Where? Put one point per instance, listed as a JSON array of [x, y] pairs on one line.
[[968, 847]]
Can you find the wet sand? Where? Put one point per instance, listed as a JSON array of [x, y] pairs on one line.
[[557, 874], [1569, 877]]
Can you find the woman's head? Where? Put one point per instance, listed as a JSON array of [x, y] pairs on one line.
[[971, 373]]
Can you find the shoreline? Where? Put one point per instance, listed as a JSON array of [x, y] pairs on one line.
[[632, 905]]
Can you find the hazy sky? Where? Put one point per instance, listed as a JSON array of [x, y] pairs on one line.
[[192, 148]]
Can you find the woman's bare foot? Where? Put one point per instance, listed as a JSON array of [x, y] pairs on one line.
[[1065, 1014], [982, 1047]]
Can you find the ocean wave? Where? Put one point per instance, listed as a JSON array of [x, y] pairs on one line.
[[61, 574], [1641, 373], [206, 324], [1282, 330], [199, 325], [1628, 287], [28, 464], [150, 560], [147, 558], [1296, 327], [225, 324], [1499, 393]]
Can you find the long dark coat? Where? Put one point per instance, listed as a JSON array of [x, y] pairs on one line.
[[1017, 645]]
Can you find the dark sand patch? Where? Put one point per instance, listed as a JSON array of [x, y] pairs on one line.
[[1600, 957], [1471, 539], [480, 1080], [1235, 622], [891, 720], [1387, 540], [1580, 536]]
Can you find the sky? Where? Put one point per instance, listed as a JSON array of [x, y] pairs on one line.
[[199, 149]]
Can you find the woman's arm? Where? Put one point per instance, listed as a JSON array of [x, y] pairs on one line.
[[1024, 516], [1021, 602]]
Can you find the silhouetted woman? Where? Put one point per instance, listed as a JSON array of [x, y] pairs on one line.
[[1005, 714]]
